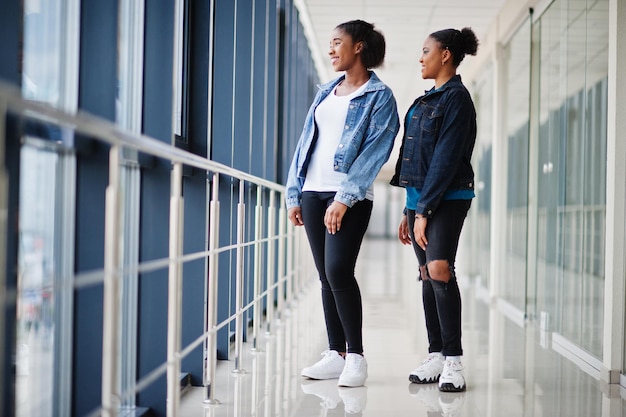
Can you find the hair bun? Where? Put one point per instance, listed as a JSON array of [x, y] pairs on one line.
[[469, 42]]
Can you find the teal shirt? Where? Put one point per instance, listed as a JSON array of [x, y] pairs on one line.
[[413, 196]]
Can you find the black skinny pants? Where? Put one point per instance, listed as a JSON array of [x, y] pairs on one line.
[[442, 301], [335, 258]]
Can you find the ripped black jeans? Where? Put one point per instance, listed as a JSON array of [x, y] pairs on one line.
[[442, 300]]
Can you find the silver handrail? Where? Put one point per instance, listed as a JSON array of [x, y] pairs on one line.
[[283, 275]]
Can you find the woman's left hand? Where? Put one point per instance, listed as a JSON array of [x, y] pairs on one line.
[[419, 231], [334, 215]]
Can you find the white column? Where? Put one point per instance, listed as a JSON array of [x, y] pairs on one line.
[[499, 173], [614, 289]]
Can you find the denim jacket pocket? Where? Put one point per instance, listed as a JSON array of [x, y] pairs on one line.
[[431, 118]]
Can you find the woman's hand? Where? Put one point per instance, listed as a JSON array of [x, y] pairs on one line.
[[419, 231], [295, 216], [334, 215], [403, 231]]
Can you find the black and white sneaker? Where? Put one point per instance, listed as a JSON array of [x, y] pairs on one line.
[[452, 379], [429, 370]]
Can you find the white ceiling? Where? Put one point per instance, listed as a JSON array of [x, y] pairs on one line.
[[405, 24]]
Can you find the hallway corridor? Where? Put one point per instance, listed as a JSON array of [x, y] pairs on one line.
[[510, 371]]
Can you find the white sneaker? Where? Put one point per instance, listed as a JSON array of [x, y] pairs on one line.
[[354, 399], [326, 391], [452, 379], [355, 372], [429, 370], [329, 367]]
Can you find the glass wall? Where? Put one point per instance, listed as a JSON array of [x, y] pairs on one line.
[[516, 118], [45, 260], [480, 215], [572, 164]]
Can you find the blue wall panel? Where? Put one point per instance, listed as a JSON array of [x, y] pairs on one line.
[[221, 151], [97, 87], [12, 164], [155, 191], [10, 32], [152, 336]]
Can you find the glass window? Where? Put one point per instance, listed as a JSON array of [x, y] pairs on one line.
[[480, 215], [46, 212], [517, 116], [129, 107], [180, 72], [44, 273], [572, 141], [130, 65], [550, 165], [41, 68]]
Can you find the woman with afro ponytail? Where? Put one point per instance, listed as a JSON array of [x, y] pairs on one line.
[[435, 169]]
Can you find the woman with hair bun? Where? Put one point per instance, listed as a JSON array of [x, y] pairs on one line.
[[348, 135], [435, 170]]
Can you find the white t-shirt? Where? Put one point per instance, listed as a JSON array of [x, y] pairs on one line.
[[330, 118]]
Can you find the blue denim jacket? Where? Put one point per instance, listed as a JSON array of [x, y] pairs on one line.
[[437, 146], [372, 124]]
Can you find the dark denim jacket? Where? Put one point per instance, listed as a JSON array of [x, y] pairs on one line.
[[437, 146]]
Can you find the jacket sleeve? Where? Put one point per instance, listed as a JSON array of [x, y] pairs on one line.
[[375, 149], [454, 137]]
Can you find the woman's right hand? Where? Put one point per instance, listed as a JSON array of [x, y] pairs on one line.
[[295, 216], [403, 231]]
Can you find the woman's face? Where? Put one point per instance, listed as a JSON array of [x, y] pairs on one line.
[[432, 56], [343, 52]]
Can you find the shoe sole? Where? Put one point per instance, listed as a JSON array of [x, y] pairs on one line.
[[449, 387], [416, 379], [350, 385], [320, 377]]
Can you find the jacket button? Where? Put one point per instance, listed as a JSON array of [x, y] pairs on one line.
[[336, 167], [471, 185], [430, 212], [341, 146], [347, 127]]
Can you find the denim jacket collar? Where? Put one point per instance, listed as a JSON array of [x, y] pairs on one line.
[[374, 84], [455, 81]]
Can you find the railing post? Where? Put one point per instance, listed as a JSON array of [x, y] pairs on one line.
[[271, 244], [174, 299], [258, 231], [110, 322], [241, 218], [210, 295], [4, 212], [291, 273], [282, 244]]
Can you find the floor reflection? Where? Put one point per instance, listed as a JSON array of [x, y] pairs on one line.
[[511, 370]]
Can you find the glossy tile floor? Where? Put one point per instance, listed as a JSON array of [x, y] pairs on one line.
[[511, 371]]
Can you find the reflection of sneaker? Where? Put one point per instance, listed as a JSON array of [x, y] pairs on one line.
[[329, 367], [429, 370], [355, 372], [354, 399], [451, 403], [428, 395], [326, 390], [452, 379]]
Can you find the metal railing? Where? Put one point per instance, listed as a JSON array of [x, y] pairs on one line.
[[286, 267]]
